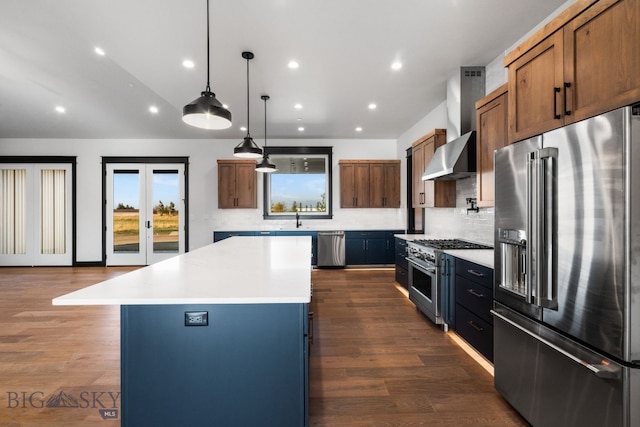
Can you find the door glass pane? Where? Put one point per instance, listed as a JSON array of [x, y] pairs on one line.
[[126, 211], [13, 187], [166, 217], [53, 215]]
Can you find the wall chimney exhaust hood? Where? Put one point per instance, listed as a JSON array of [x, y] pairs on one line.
[[454, 160], [457, 158]]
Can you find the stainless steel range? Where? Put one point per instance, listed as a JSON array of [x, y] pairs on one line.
[[425, 283]]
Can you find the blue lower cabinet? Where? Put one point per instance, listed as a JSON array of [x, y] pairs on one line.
[[448, 281], [474, 299], [246, 365], [370, 247]]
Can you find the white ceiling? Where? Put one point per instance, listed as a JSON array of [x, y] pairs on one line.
[[344, 48]]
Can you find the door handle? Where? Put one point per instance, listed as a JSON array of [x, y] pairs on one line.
[[148, 224], [608, 371], [555, 103], [475, 294], [474, 326], [475, 273], [566, 86]]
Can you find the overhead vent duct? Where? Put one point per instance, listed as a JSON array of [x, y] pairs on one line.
[[457, 158]]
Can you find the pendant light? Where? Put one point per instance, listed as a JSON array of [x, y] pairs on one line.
[[265, 165], [247, 148], [206, 112]]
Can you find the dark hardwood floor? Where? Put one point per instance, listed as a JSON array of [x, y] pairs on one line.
[[375, 360]]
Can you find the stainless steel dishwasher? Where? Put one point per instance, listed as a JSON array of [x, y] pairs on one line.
[[331, 249]]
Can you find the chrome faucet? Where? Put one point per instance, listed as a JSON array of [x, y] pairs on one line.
[[298, 222]]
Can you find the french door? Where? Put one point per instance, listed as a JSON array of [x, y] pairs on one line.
[[145, 212], [36, 210]]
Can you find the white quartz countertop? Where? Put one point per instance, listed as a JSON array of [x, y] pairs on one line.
[[479, 256], [238, 270]]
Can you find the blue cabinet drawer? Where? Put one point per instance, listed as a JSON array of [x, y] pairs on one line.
[[475, 298], [475, 331], [475, 272]]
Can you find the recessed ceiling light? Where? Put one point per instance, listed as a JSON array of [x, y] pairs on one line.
[[358, 129], [187, 63], [372, 106], [299, 119], [243, 128], [99, 51], [396, 65], [297, 106], [301, 129], [131, 84], [60, 109], [293, 65], [153, 109]]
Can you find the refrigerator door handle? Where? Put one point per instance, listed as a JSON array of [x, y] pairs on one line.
[[605, 371], [531, 275], [547, 212]]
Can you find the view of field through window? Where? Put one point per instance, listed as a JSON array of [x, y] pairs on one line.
[[127, 207], [299, 185]]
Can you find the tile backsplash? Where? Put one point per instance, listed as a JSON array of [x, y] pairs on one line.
[[457, 222]]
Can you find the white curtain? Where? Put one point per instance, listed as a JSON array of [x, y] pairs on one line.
[[53, 202], [13, 187]]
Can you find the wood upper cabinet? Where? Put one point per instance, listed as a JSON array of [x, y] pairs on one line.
[[370, 183], [602, 58], [237, 184], [385, 184], [583, 63], [535, 86], [430, 194], [492, 134]]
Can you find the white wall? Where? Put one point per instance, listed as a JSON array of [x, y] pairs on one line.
[[204, 215]]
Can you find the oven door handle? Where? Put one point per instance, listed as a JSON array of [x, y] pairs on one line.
[[428, 270]]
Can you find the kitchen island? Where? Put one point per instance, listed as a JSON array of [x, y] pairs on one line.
[[216, 336]]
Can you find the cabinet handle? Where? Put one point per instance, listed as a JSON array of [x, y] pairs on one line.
[[311, 327], [474, 326], [555, 103], [475, 294], [567, 85], [475, 273]]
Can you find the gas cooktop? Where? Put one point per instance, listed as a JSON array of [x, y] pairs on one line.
[[449, 244]]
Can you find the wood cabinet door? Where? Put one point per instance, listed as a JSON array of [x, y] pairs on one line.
[[361, 179], [429, 186], [392, 185], [536, 89], [384, 185], [602, 58], [246, 185], [418, 165], [491, 135], [347, 185], [226, 185]]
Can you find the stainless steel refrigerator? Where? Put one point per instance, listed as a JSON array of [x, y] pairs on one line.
[[567, 273]]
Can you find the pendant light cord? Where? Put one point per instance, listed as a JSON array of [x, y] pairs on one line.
[[208, 88], [265, 124], [248, 121]]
